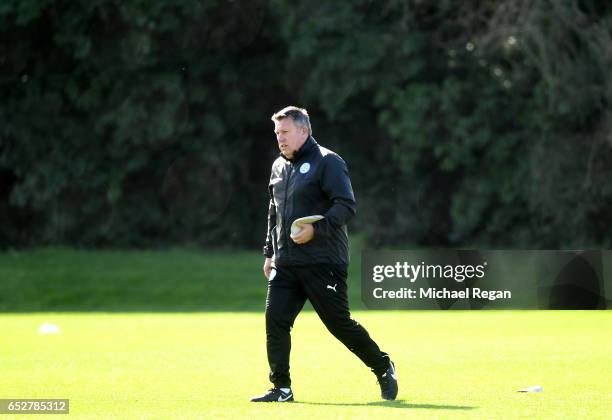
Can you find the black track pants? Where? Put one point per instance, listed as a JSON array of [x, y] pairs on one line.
[[325, 286]]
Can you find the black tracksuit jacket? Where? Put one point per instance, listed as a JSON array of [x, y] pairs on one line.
[[315, 181]]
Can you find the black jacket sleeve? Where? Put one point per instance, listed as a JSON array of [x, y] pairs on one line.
[[268, 249], [336, 184]]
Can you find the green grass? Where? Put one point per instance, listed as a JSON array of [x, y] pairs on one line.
[[156, 334], [206, 365], [60, 279]]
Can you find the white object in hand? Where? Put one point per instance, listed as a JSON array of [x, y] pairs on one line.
[[296, 225], [535, 388]]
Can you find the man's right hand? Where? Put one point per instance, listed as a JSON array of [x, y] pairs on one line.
[[267, 267]]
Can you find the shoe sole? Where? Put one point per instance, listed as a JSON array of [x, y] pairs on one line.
[[275, 401], [291, 400]]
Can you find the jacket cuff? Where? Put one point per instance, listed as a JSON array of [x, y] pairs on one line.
[[320, 228], [267, 252]]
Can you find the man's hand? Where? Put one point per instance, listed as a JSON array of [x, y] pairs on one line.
[[304, 235], [267, 267]]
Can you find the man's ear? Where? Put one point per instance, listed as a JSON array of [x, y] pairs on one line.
[[305, 131]]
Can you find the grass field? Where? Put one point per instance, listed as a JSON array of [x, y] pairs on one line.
[[178, 280], [207, 365], [59, 279], [180, 334]]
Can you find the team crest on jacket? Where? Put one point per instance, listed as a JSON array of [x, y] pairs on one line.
[[305, 167]]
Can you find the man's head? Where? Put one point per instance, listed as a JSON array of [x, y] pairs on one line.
[[292, 128]]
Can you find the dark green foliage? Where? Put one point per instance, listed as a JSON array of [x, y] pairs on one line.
[[146, 123]]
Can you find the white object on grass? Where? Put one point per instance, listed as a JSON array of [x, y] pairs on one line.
[[535, 388], [48, 329], [296, 226]]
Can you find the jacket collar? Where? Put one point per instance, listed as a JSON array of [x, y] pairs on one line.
[[308, 145]]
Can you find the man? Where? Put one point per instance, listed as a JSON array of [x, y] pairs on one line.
[[306, 180]]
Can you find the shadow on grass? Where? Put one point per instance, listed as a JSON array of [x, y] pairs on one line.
[[394, 404]]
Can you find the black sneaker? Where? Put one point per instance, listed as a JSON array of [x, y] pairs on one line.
[[275, 395], [388, 382]]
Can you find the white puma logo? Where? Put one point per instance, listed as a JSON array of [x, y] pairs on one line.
[[333, 288]]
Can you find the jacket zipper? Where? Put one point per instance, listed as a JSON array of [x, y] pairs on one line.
[[285, 211]]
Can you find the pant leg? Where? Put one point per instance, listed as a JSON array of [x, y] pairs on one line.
[[326, 288], [284, 301]]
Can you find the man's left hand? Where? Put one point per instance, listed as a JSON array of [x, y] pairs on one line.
[[304, 235]]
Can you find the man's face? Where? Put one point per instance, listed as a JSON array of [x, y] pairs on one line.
[[290, 137]]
